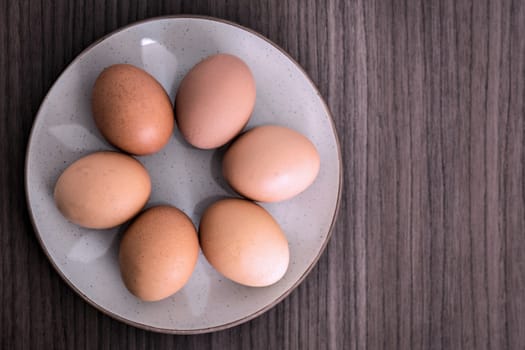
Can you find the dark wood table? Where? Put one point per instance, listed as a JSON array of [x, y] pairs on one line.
[[429, 101]]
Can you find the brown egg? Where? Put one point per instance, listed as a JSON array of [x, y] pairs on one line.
[[214, 101], [271, 163], [132, 110], [243, 242], [102, 190], [158, 253]]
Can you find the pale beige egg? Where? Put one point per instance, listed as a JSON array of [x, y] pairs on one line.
[[102, 190], [243, 242], [271, 163]]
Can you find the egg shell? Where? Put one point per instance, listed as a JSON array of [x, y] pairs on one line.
[[214, 101], [271, 163], [132, 110], [102, 190], [243, 242], [158, 253]]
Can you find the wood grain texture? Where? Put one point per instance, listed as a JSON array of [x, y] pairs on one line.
[[429, 101]]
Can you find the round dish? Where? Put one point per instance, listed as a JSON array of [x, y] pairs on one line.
[[183, 176]]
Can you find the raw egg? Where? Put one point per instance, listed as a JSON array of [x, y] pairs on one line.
[[243, 242], [102, 190], [132, 110], [271, 163], [158, 253], [214, 101]]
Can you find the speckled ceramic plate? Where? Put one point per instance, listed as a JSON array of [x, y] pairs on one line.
[[183, 176]]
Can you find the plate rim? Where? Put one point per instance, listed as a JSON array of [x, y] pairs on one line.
[[244, 318]]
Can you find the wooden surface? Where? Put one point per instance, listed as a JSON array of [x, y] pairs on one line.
[[429, 102]]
